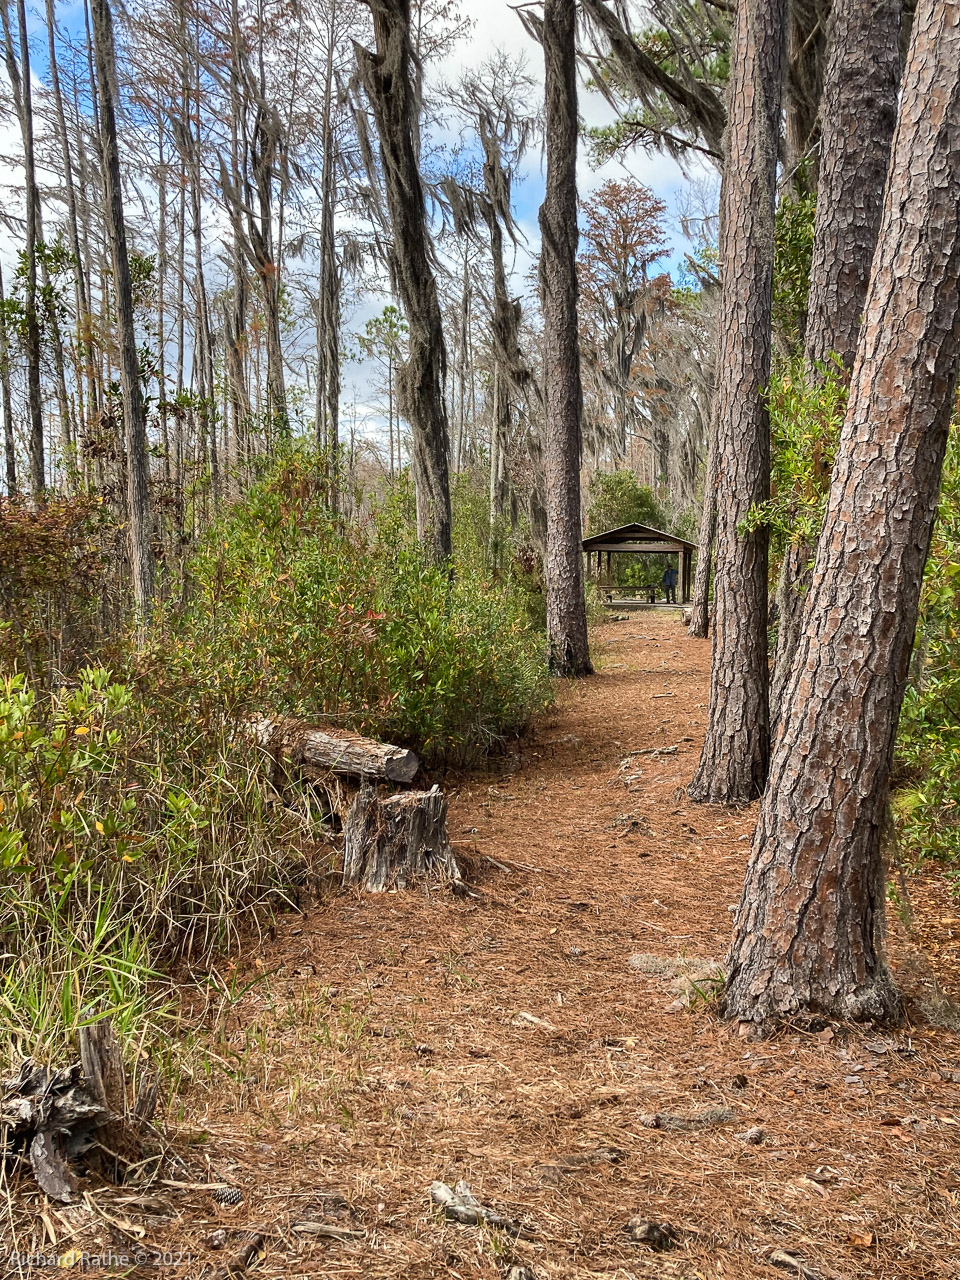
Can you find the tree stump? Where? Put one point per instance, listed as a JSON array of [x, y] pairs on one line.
[[103, 1070], [394, 842]]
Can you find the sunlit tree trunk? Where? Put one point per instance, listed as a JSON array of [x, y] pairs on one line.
[[390, 81], [6, 404], [562, 390], [700, 605], [21, 87], [806, 934]]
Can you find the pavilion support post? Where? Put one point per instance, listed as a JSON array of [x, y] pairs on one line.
[[686, 575]]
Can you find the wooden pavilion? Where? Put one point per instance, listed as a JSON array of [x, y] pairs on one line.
[[640, 539]]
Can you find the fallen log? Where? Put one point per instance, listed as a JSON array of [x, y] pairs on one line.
[[392, 842], [306, 747]]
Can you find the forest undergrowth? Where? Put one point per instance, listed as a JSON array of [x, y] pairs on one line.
[[138, 824]]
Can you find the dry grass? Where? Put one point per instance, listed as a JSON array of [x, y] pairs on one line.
[[380, 1047]]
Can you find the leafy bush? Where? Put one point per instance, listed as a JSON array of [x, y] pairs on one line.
[[116, 856], [289, 613], [805, 421], [793, 255], [928, 813]]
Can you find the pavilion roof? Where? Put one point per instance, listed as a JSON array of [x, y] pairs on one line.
[[632, 537]]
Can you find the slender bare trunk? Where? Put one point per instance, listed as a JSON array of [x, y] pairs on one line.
[[6, 403], [700, 606], [134, 419], [23, 102], [390, 81]]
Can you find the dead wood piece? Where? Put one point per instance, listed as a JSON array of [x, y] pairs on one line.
[[309, 748], [529, 1020], [461, 1205], [50, 1169], [790, 1262], [237, 1265], [660, 1236], [703, 1120], [53, 1116], [394, 842]]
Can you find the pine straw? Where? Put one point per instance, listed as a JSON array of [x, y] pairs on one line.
[[381, 1048]]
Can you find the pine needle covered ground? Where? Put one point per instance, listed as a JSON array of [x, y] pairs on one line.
[[553, 1044]]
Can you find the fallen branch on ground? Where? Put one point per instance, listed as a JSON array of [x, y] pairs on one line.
[[305, 747]]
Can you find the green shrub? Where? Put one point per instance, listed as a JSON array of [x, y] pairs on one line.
[[805, 421], [117, 856], [287, 613], [928, 748], [618, 498]]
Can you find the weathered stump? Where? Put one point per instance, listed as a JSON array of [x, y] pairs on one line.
[[394, 842], [102, 1059]]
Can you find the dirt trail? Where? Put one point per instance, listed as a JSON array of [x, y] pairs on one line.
[[510, 1042]]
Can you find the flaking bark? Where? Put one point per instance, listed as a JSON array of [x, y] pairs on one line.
[[858, 114]]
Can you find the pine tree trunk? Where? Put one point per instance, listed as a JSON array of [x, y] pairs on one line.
[[388, 79], [563, 393], [858, 114], [733, 764], [806, 932], [79, 281], [134, 419], [328, 345]]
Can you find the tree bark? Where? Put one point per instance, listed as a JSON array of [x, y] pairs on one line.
[[806, 935], [388, 80], [858, 114], [134, 419], [733, 764], [6, 403], [563, 394], [328, 302]]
